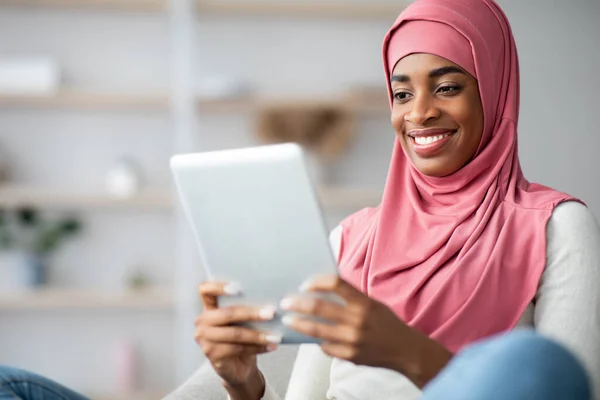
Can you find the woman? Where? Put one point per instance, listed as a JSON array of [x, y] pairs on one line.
[[462, 246]]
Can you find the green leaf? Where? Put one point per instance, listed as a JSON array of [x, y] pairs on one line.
[[70, 226], [28, 216]]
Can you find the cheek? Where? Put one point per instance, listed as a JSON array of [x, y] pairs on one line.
[[464, 116], [470, 116], [397, 120]]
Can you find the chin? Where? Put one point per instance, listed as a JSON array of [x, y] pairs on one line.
[[435, 169]]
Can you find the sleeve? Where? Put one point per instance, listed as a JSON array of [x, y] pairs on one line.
[[310, 375], [567, 304], [270, 393]]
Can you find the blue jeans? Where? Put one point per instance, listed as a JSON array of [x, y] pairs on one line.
[[16, 384], [517, 366], [520, 365]]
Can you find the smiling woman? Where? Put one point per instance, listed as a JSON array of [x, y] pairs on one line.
[[436, 113], [462, 247]]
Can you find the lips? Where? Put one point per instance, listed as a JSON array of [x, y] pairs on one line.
[[428, 143]]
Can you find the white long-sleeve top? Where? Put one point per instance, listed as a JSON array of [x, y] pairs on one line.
[[566, 307]]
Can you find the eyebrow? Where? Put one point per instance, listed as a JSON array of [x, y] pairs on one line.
[[435, 73]]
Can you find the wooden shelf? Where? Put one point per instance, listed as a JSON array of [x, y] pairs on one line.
[[331, 197], [342, 9], [373, 106], [80, 100], [218, 106], [155, 299], [123, 5], [87, 100], [349, 197], [18, 196], [310, 8]]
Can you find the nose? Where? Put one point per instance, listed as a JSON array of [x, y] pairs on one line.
[[423, 109]]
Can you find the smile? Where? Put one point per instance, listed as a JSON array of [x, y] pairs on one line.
[[431, 142], [430, 139]]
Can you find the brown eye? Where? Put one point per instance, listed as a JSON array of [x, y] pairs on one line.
[[449, 89], [401, 97]]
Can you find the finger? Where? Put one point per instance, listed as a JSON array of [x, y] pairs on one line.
[[218, 351], [211, 290], [317, 307], [236, 335], [340, 350], [332, 283], [329, 332], [235, 315]]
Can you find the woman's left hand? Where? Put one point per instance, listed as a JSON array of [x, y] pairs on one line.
[[365, 331]]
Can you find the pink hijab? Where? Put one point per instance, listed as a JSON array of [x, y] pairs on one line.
[[459, 257]]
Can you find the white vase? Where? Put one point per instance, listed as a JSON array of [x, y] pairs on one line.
[[7, 262], [123, 179], [21, 270]]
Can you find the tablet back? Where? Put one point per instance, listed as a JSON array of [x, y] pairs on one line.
[[257, 221]]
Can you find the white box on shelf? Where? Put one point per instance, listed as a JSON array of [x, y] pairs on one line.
[[29, 75]]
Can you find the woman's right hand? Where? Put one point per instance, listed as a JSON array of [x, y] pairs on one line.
[[232, 349]]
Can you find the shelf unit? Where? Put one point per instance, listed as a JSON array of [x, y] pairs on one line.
[[146, 299]]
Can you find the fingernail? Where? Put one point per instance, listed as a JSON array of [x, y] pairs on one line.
[[272, 347], [273, 339], [232, 289], [305, 287], [267, 313], [287, 320], [286, 303]]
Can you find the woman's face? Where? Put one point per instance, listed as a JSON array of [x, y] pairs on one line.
[[436, 113]]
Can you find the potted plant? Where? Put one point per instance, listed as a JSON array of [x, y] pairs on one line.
[[32, 239]]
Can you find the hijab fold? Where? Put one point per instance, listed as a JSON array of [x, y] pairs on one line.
[[458, 257]]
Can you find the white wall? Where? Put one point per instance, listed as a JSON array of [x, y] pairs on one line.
[[559, 54]]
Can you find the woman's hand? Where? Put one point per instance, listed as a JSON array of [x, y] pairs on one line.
[[365, 331], [232, 349]]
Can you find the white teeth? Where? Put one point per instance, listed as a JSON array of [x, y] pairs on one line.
[[429, 139]]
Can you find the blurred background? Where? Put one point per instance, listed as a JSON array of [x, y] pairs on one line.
[[98, 271]]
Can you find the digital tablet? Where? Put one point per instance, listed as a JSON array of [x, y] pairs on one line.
[[257, 221]]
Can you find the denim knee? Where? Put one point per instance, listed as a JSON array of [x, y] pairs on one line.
[[9, 373], [517, 365]]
